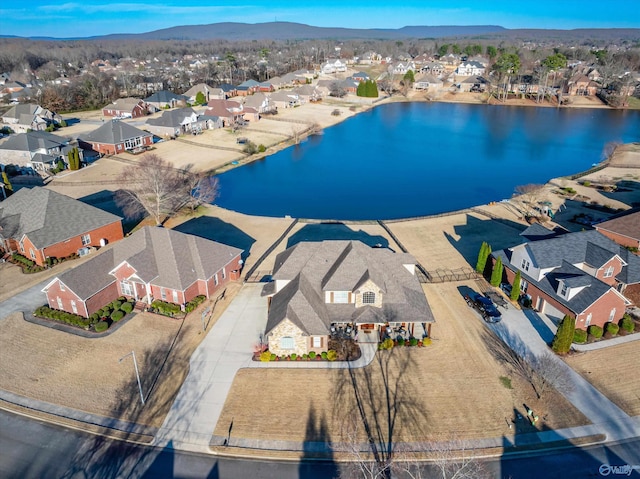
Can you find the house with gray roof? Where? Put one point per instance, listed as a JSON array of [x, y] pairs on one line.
[[164, 99], [39, 223], [24, 117], [321, 289], [173, 123], [39, 150], [126, 108], [154, 263], [623, 228], [114, 137], [582, 274]]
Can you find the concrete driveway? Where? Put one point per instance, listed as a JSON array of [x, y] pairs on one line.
[[26, 301]]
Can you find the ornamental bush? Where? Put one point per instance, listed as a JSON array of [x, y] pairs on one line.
[[627, 323], [579, 336], [116, 305], [612, 328], [332, 355], [117, 315], [323, 354], [400, 341], [126, 307], [101, 326], [265, 356], [293, 356], [387, 344], [312, 355], [595, 331], [564, 335], [413, 342], [426, 342]]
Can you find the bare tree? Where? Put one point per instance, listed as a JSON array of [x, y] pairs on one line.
[[609, 149], [529, 195], [550, 372], [159, 189]]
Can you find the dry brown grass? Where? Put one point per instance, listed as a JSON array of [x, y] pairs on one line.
[[450, 387], [84, 374], [612, 371]]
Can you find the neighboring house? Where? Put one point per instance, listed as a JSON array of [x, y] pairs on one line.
[[401, 68], [474, 84], [175, 123], [163, 99], [39, 150], [126, 108], [333, 66], [285, 99], [427, 82], [307, 93], [577, 274], [266, 86], [115, 137], [248, 87], [208, 92], [153, 263], [230, 112], [317, 287], [624, 228], [21, 118], [580, 85], [260, 102], [470, 68], [40, 224], [434, 68], [360, 76], [228, 90]]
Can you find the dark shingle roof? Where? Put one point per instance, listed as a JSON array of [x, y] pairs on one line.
[[313, 268], [164, 96], [171, 118], [114, 132], [47, 217], [33, 140], [627, 224], [165, 257]]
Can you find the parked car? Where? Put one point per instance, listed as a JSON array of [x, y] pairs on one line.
[[485, 307]]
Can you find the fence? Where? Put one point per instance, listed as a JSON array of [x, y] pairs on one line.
[[442, 275]]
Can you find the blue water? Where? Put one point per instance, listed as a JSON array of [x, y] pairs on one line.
[[412, 159]]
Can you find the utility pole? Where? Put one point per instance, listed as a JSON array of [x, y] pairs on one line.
[[135, 365]]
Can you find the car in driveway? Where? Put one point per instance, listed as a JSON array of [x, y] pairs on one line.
[[485, 307]]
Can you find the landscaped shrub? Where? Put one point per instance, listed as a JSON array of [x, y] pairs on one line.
[[265, 356], [22, 259], [426, 342], [163, 307], [101, 326], [117, 315], [293, 356], [595, 331], [400, 341], [62, 316], [323, 354], [273, 357], [116, 305], [312, 354], [126, 307], [579, 336], [627, 323], [612, 328], [413, 342], [332, 355], [94, 318], [387, 344], [194, 303], [262, 148]]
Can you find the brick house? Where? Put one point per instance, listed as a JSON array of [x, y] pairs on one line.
[[624, 228], [321, 288], [579, 274], [153, 263], [115, 137], [40, 223], [126, 108]]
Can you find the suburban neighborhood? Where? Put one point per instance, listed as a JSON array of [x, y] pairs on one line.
[[460, 339]]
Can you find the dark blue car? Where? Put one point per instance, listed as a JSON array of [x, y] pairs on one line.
[[486, 307]]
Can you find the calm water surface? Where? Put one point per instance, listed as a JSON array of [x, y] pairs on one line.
[[413, 159]]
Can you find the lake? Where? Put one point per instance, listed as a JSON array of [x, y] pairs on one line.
[[403, 160]]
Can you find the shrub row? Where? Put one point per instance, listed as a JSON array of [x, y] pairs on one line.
[[62, 316], [22, 259], [579, 336], [390, 343], [194, 303], [330, 355], [166, 308], [627, 323]]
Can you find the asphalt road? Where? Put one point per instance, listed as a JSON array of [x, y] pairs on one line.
[[32, 449], [26, 301]]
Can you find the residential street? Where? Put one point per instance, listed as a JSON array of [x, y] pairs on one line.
[[26, 301]]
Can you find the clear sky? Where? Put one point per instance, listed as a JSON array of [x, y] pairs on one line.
[[57, 18]]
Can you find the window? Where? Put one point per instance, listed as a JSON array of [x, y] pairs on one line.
[[523, 286], [287, 343], [588, 321], [126, 288], [215, 279], [163, 294], [62, 288], [132, 143], [368, 297], [21, 246], [563, 292], [317, 342], [612, 315], [86, 239], [525, 265], [609, 272], [74, 308], [33, 255], [341, 297], [59, 302], [175, 296], [224, 274]]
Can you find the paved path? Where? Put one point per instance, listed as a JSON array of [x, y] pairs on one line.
[[26, 301], [524, 332]]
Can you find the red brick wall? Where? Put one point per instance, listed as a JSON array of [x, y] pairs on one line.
[[620, 239], [617, 267], [601, 310], [192, 291], [111, 232], [124, 271], [101, 298], [27, 248]]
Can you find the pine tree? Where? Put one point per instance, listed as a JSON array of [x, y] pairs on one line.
[[515, 289], [362, 89], [76, 154], [8, 187], [483, 255], [496, 274], [564, 335]]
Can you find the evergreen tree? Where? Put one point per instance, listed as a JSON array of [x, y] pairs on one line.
[[485, 251], [564, 335], [496, 274], [372, 89], [76, 155], [362, 89], [200, 98], [515, 289], [8, 187]]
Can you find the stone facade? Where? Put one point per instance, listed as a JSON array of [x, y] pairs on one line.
[[369, 287], [286, 329]]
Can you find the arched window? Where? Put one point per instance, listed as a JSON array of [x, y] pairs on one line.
[[368, 297]]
